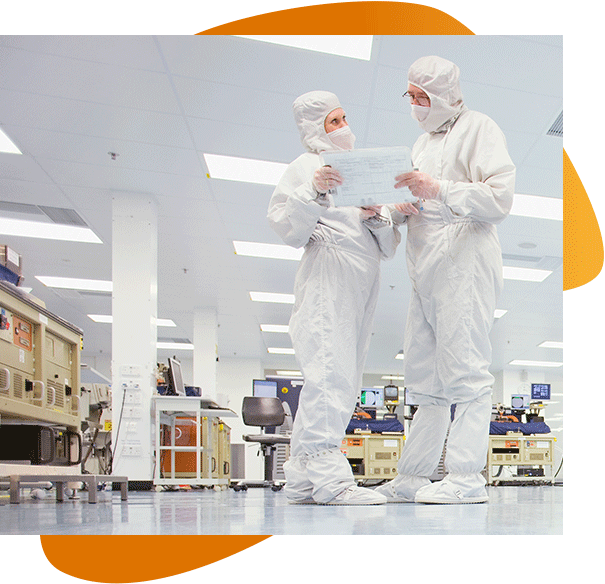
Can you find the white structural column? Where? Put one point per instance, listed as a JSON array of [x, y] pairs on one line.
[[134, 337], [205, 341]]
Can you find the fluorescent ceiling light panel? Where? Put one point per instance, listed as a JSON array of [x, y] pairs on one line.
[[108, 319], [38, 230], [352, 46], [76, 283], [275, 328], [267, 250], [399, 356], [536, 363], [272, 297], [397, 377], [244, 169], [280, 351], [525, 274], [175, 346], [538, 207], [7, 145], [101, 318], [498, 313], [551, 345], [289, 373]]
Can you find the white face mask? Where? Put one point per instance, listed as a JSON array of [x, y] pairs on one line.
[[343, 138], [420, 112]]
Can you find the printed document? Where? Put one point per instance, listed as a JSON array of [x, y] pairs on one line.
[[369, 175]]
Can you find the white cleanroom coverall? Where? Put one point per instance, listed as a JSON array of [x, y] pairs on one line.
[[336, 289], [455, 266]]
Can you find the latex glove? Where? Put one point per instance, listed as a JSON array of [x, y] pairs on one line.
[[406, 208], [326, 178], [421, 185], [370, 211]]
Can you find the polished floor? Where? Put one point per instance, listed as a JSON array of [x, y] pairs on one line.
[[512, 510]]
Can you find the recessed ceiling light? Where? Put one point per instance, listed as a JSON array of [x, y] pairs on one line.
[[399, 355], [7, 145], [538, 207], [525, 274], [272, 297], [288, 373], [352, 46], [244, 169], [498, 313], [551, 345], [267, 250], [76, 283], [108, 319], [275, 328], [39, 230], [397, 377], [101, 318], [280, 351], [535, 363], [175, 346]]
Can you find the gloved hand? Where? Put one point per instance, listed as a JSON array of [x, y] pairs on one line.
[[370, 211], [406, 208], [326, 178], [421, 185]]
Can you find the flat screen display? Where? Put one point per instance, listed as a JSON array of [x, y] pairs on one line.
[[540, 391], [175, 376], [264, 388]]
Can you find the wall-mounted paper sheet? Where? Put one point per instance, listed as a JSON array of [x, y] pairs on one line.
[[369, 175]]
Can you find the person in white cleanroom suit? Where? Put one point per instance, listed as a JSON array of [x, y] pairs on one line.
[[466, 179], [335, 289]]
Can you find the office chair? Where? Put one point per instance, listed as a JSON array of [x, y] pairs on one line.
[[264, 412]]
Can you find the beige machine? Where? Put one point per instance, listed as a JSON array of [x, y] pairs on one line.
[[373, 456], [529, 458], [39, 363]]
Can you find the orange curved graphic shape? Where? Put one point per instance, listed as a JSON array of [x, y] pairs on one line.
[[139, 558], [582, 242], [352, 18]]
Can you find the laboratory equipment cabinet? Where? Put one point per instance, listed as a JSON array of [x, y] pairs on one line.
[[39, 362], [527, 458], [215, 453], [193, 444], [373, 456]]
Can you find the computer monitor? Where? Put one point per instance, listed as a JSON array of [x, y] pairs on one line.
[[391, 395], [264, 388], [519, 401], [540, 391], [175, 385], [372, 398]]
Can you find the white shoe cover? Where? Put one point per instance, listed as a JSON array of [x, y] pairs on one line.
[[357, 496], [306, 501], [298, 487], [454, 490], [402, 489]]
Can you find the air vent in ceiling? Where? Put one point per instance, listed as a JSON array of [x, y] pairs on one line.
[[63, 216], [24, 208], [69, 294], [557, 128], [55, 214]]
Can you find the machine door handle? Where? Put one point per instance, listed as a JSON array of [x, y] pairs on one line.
[[8, 379], [43, 394]]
